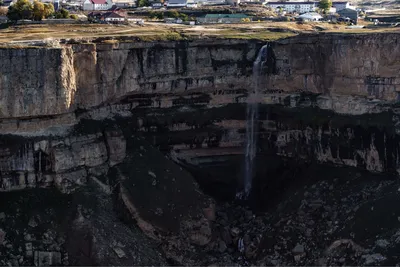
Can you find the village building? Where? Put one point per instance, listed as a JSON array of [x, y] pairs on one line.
[[107, 17], [8, 2], [176, 3], [305, 7], [298, 7], [157, 5], [124, 3], [311, 16], [233, 2], [211, 2], [191, 4], [97, 4], [349, 13], [339, 5]]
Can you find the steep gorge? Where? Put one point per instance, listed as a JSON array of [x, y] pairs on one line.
[[327, 98]]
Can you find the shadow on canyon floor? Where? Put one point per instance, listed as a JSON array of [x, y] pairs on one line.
[[303, 214], [275, 177], [313, 215]]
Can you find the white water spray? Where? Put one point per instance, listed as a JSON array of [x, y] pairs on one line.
[[252, 122]]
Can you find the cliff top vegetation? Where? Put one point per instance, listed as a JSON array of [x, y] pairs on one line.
[[23, 34]]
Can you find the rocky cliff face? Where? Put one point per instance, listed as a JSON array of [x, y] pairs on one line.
[[326, 98]]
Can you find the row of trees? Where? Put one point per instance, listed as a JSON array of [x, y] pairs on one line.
[[168, 14], [24, 9]]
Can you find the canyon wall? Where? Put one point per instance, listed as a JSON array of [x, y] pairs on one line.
[[325, 97]]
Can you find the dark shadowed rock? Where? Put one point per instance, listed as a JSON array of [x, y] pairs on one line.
[[222, 246], [149, 182], [97, 236], [226, 236]]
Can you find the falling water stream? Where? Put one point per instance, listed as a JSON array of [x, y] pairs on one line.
[[252, 123]]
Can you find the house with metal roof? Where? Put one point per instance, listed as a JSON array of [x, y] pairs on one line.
[[339, 5], [304, 7], [311, 16], [97, 4], [222, 18], [110, 16], [124, 3], [176, 3], [349, 13], [299, 7]]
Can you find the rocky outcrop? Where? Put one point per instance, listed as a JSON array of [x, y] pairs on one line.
[[63, 162], [164, 200], [48, 82], [339, 65]]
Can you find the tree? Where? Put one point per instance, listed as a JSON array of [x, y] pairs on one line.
[[325, 5], [142, 3], [62, 14], [156, 15], [38, 11], [183, 17], [13, 14], [48, 10], [22, 9], [172, 14], [1, 2]]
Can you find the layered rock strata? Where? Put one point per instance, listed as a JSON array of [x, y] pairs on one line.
[[64, 162], [326, 97]]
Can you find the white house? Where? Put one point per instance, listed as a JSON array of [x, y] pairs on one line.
[[299, 7], [191, 4], [233, 2], [311, 16], [109, 16], [113, 17], [211, 2], [124, 3], [340, 5], [176, 3], [97, 4], [157, 5]]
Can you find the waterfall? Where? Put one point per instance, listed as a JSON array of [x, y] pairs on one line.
[[252, 122]]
